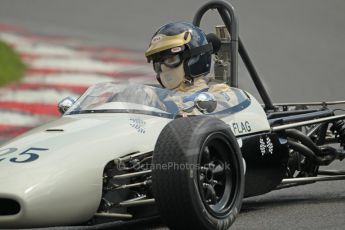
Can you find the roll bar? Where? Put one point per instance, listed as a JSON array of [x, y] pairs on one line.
[[229, 17]]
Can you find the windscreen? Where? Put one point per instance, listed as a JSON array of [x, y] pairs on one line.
[[113, 97]]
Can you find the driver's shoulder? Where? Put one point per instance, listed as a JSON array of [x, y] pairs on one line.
[[215, 87]]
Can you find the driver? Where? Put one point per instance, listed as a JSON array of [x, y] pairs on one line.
[[181, 57]]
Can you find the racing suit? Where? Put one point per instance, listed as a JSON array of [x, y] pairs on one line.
[[223, 94]]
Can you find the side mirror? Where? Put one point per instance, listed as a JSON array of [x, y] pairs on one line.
[[205, 102], [65, 104]]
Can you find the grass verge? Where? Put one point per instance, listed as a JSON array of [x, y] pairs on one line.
[[11, 67]]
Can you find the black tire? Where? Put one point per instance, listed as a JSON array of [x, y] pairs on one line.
[[182, 188]]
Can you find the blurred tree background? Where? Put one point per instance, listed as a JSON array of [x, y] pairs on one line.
[[11, 67]]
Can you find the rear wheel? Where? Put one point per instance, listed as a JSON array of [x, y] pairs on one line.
[[198, 175]]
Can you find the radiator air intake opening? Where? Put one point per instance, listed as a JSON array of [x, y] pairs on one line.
[[9, 207]]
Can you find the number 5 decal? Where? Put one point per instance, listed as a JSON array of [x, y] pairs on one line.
[[5, 152], [31, 155]]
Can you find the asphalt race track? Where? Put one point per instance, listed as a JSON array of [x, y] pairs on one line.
[[297, 47]]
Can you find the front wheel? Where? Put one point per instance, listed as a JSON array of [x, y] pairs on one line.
[[198, 174]]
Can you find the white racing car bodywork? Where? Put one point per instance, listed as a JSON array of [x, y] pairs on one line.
[[55, 172], [64, 185], [94, 163]]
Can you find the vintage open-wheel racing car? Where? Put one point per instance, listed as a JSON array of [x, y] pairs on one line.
[[116, 155]]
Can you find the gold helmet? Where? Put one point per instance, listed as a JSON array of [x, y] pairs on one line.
[[179, 51]]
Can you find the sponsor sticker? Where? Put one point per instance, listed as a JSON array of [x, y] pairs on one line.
[[266, 146], [156, 39], [241, 127], [138, 124], [176, 49]]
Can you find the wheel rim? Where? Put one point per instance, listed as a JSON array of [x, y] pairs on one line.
[[218, 177]]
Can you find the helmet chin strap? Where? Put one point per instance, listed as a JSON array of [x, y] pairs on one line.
[[159, 80]]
